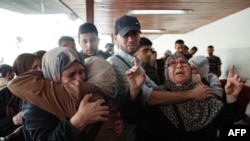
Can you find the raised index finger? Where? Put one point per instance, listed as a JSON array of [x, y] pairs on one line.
[[231, 72], [136, 62]]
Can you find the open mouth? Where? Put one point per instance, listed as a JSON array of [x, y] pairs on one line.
[[179, 73]]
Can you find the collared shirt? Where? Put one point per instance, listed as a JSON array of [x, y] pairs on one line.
[[123, 86]]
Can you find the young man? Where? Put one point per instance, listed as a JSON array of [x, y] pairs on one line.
[[144, 53], [67, 41], [215, 62], [127, 37], [179, 46], [193, 50], [89, 41]]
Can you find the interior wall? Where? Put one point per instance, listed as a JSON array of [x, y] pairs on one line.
[[229, 36]]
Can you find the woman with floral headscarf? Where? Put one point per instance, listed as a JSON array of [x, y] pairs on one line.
[[190, 120]]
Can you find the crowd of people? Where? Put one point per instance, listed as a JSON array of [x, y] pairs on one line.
[[127, 95]]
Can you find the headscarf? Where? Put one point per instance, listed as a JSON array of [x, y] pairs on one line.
[[56, 60], [191, 115], [101, 73], [22, 64], [202, 63]]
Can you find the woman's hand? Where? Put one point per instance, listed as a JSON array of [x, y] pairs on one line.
[[17, 119], [233, 86], [136, 78], [89, 113]]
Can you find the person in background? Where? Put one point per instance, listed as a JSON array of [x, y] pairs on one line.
[[215, 62], [89, 41], [193, 50], [6, 74], [127, 37], [40, 53], [200, 66], [153, 59], [179, 46], [109, 50], [144, 53], [186, 52], [10, 112], [161, 65], [67, 41]]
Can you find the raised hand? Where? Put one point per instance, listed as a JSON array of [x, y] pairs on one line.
[[89, 112], [233, 86], [136, 78]]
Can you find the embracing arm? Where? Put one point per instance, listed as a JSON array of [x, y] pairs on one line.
[[58, 99], [169, 97]]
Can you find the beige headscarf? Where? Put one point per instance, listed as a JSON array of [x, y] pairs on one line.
[[101, 74]]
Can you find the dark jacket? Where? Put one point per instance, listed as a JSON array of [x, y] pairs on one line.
[[152, 124], [6, 123], [41, 125]]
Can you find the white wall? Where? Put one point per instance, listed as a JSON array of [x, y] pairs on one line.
[[230, 36]]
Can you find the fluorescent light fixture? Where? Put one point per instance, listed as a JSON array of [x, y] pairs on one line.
[[157, 12], [151, 30]]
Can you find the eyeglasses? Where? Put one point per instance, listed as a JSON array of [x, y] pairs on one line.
[[182, 63]]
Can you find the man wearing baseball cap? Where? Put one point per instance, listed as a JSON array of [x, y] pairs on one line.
[[127, 32]]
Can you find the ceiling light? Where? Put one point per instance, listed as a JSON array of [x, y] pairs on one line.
[[155, 12], [152, 31]]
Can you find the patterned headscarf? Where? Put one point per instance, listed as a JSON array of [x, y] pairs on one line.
[[101, 73], [191, 115], [56, 60]]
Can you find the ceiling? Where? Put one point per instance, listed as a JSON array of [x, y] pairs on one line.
[[103, 13]]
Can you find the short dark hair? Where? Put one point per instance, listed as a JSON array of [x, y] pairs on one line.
[[109, 45], [194, 48], [65, 38], [87, 28], [4, 69], [210, 46], [179, 41], [40, 53], [145, 41]]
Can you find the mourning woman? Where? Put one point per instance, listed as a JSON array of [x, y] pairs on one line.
[[189, 120], [59, 105]]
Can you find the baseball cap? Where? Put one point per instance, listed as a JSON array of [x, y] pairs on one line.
[[125, 24]]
